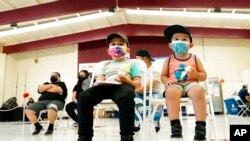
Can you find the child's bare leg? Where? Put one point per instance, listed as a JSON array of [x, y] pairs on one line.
[[173, 96], [197, 94]]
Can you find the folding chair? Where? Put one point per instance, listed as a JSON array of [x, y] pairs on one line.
[[243, 107], [233, 109], [59, 119]]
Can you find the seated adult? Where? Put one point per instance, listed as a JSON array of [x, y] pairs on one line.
[[31, 101], [82, 84], [157, 91], [52, 98], [244, 95]]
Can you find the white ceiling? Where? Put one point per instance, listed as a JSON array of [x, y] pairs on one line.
[[120, 17]]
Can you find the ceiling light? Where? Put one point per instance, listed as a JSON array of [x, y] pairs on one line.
[[55, 24], [189, 14]]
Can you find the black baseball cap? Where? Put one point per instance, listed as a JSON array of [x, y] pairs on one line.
[[144, 53], [171, 30], [117, 35]]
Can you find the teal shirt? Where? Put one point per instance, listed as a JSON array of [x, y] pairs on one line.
[[110, 69]]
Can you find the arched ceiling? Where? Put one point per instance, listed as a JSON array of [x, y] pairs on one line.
[[30, 12]]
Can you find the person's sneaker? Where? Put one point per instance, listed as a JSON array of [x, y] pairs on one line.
[[75, 124], [137, 128], [84, 139], [176, 131], [200, 133], [49, 132], [157, 126], [127, 138], [37, 131]]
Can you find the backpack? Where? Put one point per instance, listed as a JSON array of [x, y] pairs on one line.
[[9, 104]]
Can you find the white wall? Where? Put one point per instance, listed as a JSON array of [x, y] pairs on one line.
[[23, 74], [2, 74], [224, 58]]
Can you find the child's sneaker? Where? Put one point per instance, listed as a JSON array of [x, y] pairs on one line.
[[136, 126], [176, 131], [200, 133], [157, 126]]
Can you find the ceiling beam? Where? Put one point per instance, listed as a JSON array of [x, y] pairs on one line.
[[64, 7], [131, 30]]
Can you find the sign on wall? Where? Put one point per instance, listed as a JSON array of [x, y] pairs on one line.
[[87, 66]]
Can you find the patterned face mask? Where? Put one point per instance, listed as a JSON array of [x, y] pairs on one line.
[[180, 47], [117, 52]]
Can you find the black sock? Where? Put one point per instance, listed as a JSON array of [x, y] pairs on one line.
[[51, 127], [203, 123], [175, 121], [38, 126]]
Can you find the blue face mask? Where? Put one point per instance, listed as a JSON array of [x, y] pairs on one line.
[[180, 47]]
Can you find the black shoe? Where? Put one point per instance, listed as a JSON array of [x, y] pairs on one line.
[[49, 132], [37, 131], [157, 126], [176, 131], [127, 138], [200, 133], [136, 129], [84, 139]]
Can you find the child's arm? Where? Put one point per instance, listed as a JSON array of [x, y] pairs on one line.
[[140, 89], [100, 77], [164, 75], [200, 74], [136, 81]]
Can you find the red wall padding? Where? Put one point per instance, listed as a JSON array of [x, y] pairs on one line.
[[96, 51]]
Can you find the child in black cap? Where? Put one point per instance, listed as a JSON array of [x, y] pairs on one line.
[[116, 80], [181, 74]]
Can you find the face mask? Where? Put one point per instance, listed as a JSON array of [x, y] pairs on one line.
[[81, 78], [53, 79], [127, 55], [117, 52], [180, 47]]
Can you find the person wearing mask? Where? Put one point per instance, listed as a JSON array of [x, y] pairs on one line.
[[244, 95], [182, 71], [31, 101], [116, 80], [157, 89], [81, 85], [52, 98]]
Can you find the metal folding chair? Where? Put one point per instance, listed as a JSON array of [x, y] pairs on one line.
[[59, 119], [243, 107]]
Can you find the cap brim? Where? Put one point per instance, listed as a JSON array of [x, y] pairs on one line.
[[170, 31], [113, 35]]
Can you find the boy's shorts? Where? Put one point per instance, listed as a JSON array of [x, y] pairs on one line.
[[184, 87], [46, 104]]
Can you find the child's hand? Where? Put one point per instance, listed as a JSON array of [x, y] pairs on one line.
[[170, 82], [121, 78], [191, 72]]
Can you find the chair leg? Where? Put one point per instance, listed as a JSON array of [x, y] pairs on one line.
[[97, 119], [213, 120]]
